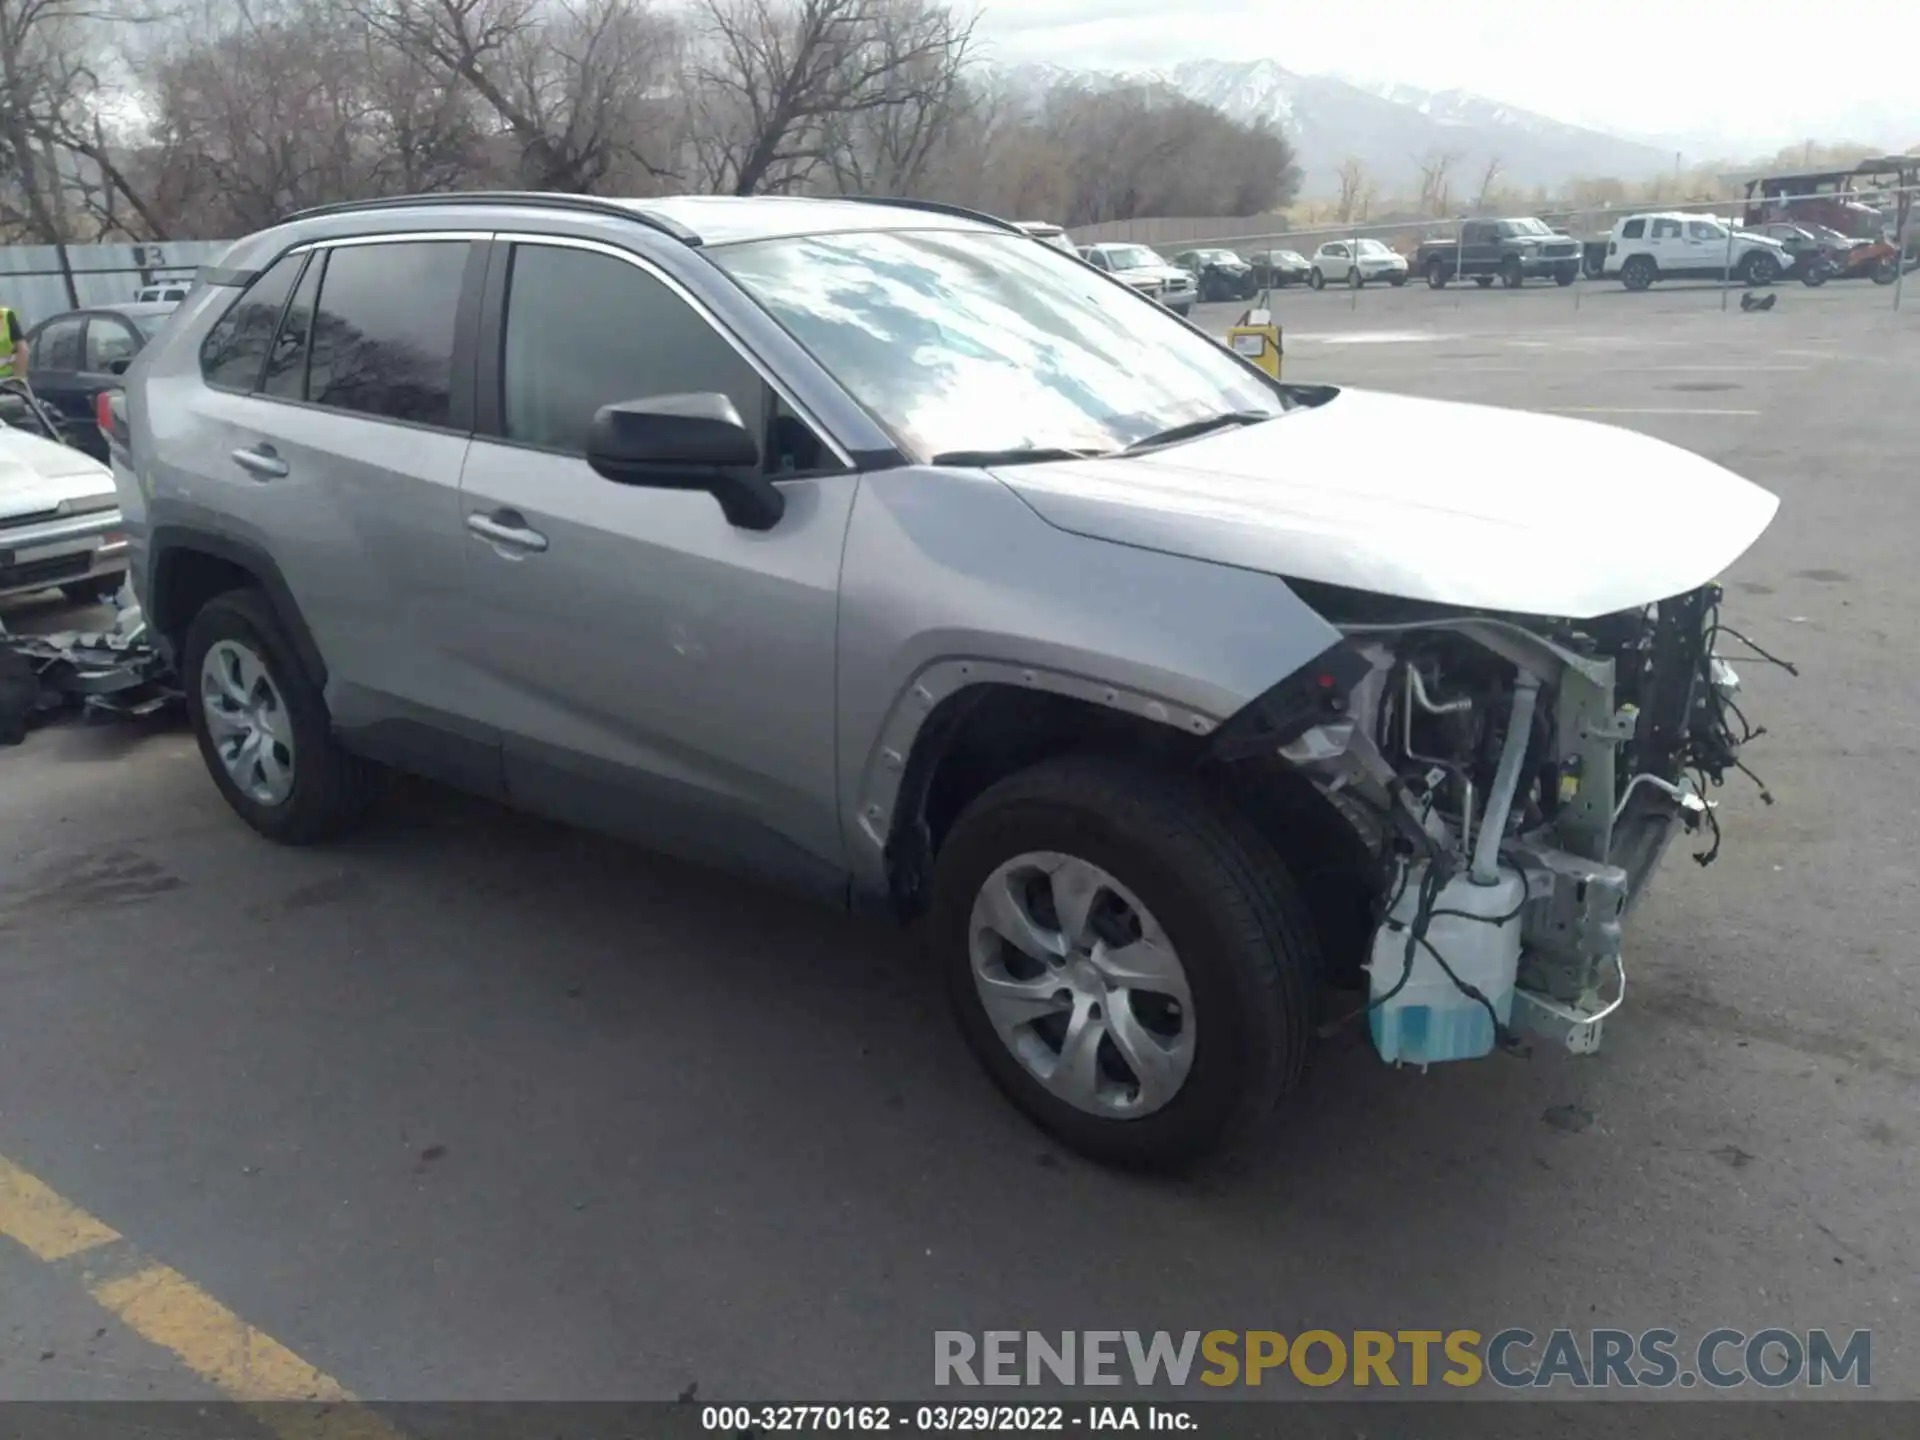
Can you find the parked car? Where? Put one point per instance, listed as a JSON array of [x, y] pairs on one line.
[[1145, 271], [1276, 269], [170, 292], [75, 356], [1511, 251], [59, 510], [1356, 263], [1051, 233], [1218, 274], [1145, 681], [1671, 245]]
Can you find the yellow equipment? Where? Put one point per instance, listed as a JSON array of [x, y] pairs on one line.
[[1256, 337]]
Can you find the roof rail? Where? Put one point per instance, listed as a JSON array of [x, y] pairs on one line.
[[934, 207], [592, 204]]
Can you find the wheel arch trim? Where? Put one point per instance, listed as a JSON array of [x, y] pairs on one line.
[[169, 545]]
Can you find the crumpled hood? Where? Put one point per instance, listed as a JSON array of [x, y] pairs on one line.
[[1430, 500], [37, 474]]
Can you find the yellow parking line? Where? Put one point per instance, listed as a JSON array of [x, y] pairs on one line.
[[286, 1394], [40, 1220]]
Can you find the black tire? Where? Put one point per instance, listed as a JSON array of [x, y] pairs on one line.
[[1886, 271], [1485, 282], [1759, 269], [1437, 274], [1226, 904], [97, 590], [1815, 272], [1566, 274], [1315, 280], [332, 787], [1639, 272], [1354, 278], [1396, 281], [1511, 275]]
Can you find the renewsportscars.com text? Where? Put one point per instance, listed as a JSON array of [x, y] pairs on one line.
[[1512, 1359]]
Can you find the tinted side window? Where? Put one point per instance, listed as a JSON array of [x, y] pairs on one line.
[[585, 330], [109, 340], [1633, 229], [383, 330], [58, 346], [286, 375], [236, 347]]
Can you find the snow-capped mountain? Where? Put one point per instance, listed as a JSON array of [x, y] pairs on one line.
[[1394, 129]]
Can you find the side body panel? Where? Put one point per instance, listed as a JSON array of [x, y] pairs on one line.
[[950, 579]]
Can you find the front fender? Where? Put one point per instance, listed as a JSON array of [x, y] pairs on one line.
[[950, 579]]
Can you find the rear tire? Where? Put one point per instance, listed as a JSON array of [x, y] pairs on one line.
[[331, 789], [1216, 895], [1315, 280]]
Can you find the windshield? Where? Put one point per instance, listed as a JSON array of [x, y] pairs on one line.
[[1218, 257], [1706, 230], [965, 341], [1525, 227], [1131, 257]]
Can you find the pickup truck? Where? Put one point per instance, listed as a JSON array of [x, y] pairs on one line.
[[1510, 251]]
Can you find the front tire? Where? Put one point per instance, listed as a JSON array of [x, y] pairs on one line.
[[263, 728], [1485, 282], [1126, 957], [1315, 280], [1511, 275], [1759, 269], [1397, 281], [1566, 274], [1639, 272], [1436, 274], [1355, 279]]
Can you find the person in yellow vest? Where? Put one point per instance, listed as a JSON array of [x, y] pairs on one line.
[[13, 346]]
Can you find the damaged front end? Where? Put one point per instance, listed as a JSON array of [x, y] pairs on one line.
[[1518, 780]]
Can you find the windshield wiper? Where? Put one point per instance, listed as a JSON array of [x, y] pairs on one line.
[[1193, 429], [1015, 455]]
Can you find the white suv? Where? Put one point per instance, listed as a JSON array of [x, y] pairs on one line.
[[1356, 262], [1670, 245]]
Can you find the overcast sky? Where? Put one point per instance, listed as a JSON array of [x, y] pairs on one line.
[[1630, 66]]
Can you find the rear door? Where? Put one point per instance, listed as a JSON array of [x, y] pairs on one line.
[[1667, 243], [652, 669], [334, 422], [54, 353]]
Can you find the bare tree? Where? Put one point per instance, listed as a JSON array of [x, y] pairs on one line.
[[577, 86], [778, 83], [887, 149], [1487, 178], [1353, 182], [1436, 182]]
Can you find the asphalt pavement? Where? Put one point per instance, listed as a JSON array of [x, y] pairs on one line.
[[476, 1107]]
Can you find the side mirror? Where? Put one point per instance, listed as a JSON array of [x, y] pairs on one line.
[[686, 442], [120, 365]]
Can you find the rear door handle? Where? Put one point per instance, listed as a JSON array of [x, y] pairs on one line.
[[262, 460], [508, 528]]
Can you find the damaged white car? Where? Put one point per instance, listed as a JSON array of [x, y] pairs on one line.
[[929, 570], [59, 510]]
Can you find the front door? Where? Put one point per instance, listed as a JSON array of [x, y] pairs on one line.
[[652, 669]]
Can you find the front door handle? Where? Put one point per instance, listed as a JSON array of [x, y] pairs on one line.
[[508, 528], [262, 460]]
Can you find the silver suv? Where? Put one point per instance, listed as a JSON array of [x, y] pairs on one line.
[[886, 552]]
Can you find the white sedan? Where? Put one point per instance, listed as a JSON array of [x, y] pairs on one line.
[[59, 513], [1356, 262]]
